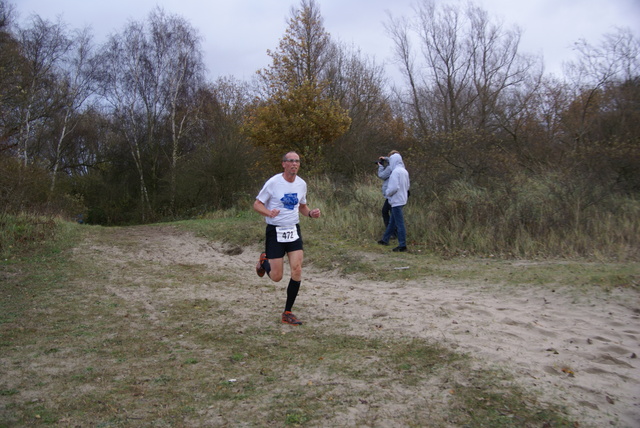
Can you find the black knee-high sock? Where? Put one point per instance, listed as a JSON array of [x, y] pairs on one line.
[[267, 267], [292, 293]]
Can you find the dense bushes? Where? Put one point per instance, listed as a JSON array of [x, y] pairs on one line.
[[535, 217], [26, 189]]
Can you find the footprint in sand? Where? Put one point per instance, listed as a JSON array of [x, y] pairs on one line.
[[616, 350], [609, 360]]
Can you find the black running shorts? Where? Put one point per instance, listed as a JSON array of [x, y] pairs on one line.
[[277, 250]]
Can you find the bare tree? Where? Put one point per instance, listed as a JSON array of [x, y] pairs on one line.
[[11, 63], [148, 75], [76, 84], [208, 179], [497, 68], [43, 45], [463, 68], [127, 87], [359, 83], [599, 69], [398, 29], [181, 75]]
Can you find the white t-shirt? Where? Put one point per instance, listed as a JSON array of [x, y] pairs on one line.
[[287, 197]]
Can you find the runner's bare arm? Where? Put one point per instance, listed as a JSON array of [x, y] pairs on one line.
[[260, 208]]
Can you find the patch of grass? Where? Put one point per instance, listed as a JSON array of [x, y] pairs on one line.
[[296, 417], [27, 235], [22, 233], [242, 228], [491, 399]]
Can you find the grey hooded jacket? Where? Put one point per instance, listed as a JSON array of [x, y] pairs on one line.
[[383, 173], [397, 191]]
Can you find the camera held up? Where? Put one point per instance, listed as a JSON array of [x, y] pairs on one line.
[[382, 161]]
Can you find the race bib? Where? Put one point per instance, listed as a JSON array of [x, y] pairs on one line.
[[286, 233]]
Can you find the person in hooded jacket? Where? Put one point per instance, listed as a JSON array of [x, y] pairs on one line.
[[397, 193], [384, 172]]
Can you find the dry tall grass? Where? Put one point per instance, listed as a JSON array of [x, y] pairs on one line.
[[546, 216]]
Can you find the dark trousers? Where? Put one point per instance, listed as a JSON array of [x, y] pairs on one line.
[[386, 212], [386, 215], [396, 227]]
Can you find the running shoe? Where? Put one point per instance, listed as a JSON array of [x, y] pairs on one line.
[[289, 318], [259, 269]]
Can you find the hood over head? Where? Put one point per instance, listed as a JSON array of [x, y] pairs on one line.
[[395, 160]]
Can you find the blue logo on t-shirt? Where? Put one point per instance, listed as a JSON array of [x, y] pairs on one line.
[[290, 200]]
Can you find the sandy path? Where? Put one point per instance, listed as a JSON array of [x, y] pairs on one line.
[[579, 350]]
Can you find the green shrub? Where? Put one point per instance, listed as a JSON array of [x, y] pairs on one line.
[[23, 232]]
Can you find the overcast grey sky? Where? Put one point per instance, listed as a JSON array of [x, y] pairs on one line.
[[237, 33]]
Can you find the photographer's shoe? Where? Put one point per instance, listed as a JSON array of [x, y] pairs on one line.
[[259, 269], [289, 318], [400, 249]]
